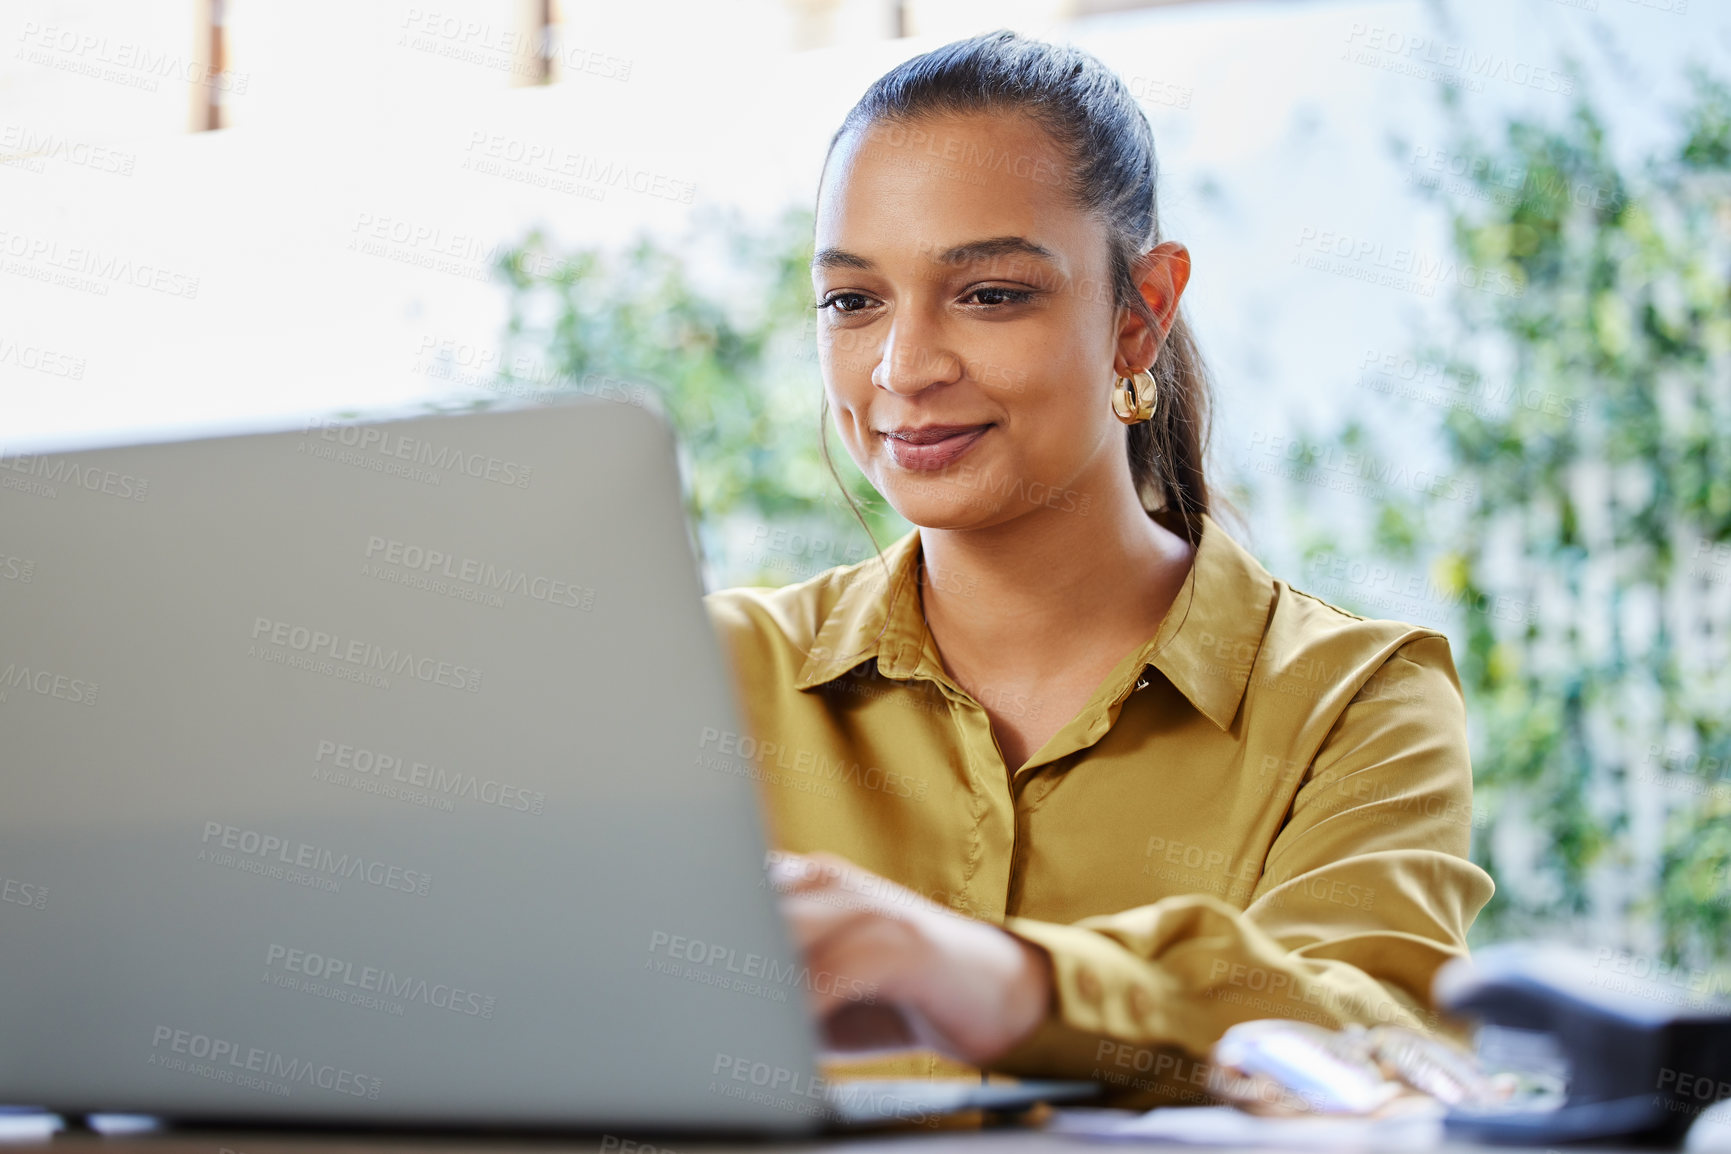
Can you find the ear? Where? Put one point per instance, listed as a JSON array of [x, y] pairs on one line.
[[1160, 275]]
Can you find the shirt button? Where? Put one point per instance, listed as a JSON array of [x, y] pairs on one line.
[[1142, 1002], [1088, 984]]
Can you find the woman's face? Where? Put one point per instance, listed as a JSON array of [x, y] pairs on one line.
[[966, 329]]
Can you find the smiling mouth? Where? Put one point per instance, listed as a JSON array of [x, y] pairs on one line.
[[932, 447]]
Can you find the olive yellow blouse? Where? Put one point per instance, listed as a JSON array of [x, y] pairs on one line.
[[1264, 811]]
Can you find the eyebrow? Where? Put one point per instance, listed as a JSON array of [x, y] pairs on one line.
[[974, 250]]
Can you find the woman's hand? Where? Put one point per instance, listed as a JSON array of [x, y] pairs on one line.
[[891, 969]]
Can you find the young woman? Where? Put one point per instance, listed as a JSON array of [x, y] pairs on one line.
[[1067, 781]]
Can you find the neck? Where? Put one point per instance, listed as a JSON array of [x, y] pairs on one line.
[[1051, 582]]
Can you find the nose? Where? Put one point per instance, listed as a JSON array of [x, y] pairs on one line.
[[914, 357]]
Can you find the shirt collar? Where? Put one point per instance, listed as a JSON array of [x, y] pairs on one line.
[[877, 615], [1210, 637], [1205, 646]]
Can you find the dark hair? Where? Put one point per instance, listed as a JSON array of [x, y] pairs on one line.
[[1091, 115]]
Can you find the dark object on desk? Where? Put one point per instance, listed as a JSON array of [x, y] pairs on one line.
[[1645, 1056]]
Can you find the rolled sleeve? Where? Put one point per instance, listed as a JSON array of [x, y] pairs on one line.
[[1365, 892]]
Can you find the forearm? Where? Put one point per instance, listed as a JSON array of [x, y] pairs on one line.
[[1139, 998]]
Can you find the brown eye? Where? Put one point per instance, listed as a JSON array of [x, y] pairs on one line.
[[833, 302], [1001, 296]]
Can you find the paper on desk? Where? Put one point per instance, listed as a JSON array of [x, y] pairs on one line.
[[1229, 1126], [21, 1125]]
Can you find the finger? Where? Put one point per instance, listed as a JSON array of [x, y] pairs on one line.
[[856, 1026], [868, 961], [874, 961], [813, 916], [791, 873]]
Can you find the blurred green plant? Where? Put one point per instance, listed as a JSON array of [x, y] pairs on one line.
[[1600, 474], [732, 362]]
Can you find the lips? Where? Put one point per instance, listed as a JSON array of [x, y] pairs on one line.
[[927, 447]]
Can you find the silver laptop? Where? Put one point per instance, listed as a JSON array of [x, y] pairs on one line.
[[370, 773]]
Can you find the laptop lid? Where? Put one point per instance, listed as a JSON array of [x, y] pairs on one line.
[[371, 772]]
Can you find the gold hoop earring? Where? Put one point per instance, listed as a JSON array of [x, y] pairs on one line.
[[1135, 397]]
